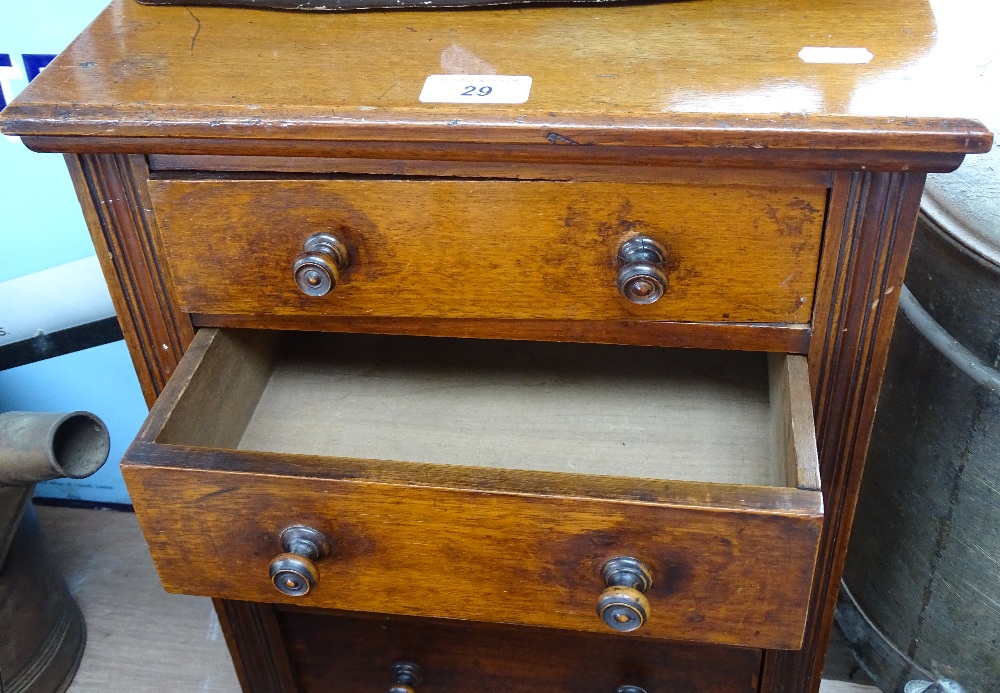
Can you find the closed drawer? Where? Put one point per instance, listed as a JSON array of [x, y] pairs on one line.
[[334, 653], [489, 481], [492, 249]]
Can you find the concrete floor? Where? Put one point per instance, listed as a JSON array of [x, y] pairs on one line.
[[143, 640]]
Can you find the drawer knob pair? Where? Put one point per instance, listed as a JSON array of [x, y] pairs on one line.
[[294, 572], [317, 269], [623, 606], [641, 279]]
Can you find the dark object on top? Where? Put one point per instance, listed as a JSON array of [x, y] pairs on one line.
[[334, 5]]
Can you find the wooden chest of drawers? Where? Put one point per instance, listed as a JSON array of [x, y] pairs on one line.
[[571, 394]]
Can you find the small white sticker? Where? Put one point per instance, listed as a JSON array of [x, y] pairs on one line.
[[476, 89], [836, 55]]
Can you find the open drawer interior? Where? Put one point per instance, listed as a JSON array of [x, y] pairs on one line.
[[637, 412], [488, 481]]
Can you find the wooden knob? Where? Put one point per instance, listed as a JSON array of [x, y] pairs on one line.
[[406, 676], [623, 606], [641, 279], [293, 572], [293, 575], [317, 269], [623, 609]]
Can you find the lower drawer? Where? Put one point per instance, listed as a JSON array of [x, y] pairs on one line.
[[341, 654], [669, 494]]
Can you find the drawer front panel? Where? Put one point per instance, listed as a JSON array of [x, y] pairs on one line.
[[492, 249], [489, 527], [343, 654], [738, 577]]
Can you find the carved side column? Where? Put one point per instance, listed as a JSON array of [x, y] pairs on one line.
[[112, 191], [871, 225], [114, 196]]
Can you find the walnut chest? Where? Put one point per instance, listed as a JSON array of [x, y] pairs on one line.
[[561, 379]]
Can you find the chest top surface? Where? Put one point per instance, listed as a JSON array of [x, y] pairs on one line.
[[703, 73]]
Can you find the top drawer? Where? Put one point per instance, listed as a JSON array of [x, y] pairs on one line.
[[492, 249]]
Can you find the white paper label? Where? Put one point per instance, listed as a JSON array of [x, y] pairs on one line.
[[836, 55], [476, 89]]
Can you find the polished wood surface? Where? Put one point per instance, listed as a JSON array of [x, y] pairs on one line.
[[139, 632], [714, 73], [115, 201], [672, 91], [780, 338], [353, 653], [868, 239], [735, 577], [792, 420], [472, 249], [181, 166], [478, 543]]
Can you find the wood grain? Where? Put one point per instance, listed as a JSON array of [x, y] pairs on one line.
[[194, 414], [465, 542], [755, 158], [112, 191], [353, 653], [862, 268], [716, 74], [472, 249], [255, 643], [707, 85], [738, 578], [781, 338], [792, 420], [168, 166], [104, 557]]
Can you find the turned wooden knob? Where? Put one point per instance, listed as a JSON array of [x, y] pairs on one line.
[[407, 676], [294, 572], [317, 269], [623, 606], [641, 279]]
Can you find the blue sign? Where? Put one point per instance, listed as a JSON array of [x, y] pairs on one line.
[[33, 64]]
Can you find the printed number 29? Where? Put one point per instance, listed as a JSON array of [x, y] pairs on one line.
[[482, 91]]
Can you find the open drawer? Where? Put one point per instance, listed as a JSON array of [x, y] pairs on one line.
[[489, 481]]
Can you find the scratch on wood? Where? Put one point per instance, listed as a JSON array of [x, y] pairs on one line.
[[197, 29], [556, 138], [395, 84], [213, 494]]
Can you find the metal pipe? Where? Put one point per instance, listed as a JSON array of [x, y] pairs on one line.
[[40, 446]]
